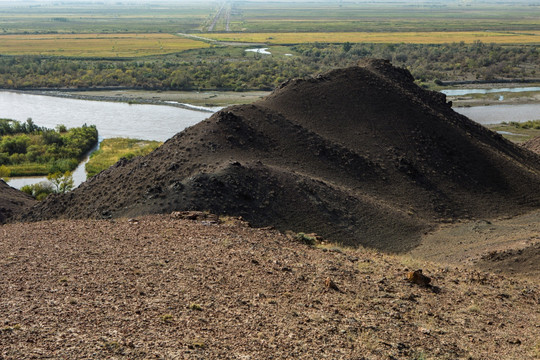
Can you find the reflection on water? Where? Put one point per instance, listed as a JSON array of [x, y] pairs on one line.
[[496, 114], [19, 182], [113, 119], [461, 92], [260, 51]]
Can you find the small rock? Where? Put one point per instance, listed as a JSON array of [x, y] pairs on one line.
[[416, 277], [330, 284]]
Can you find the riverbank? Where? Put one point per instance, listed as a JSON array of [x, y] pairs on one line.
[[206, 101], [211, 101], [492, 95], [499, 98]]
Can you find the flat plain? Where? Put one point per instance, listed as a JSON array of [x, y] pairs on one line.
[[96, 45], [412, 37]]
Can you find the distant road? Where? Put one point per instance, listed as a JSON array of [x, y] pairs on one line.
[[228, 18], [224, 10]]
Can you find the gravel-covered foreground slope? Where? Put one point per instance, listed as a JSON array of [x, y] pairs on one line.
[[164, 288], [359, 155]]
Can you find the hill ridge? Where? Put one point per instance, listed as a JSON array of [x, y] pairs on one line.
[[359, 155]]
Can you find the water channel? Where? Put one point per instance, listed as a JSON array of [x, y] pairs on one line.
[[461, 92], [113, 119], [158, 122]]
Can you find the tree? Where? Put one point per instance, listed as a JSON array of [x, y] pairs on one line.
[[4, 172], [62, 182], [39, 191]]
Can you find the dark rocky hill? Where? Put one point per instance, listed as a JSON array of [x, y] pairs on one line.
[[359, 155], [12, 201]]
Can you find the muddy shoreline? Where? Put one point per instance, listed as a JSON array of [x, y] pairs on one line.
[[182, 99]]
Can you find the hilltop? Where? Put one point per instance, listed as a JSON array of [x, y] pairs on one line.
[[361, 156]]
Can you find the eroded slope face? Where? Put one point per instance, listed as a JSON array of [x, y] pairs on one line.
[[359, 155]]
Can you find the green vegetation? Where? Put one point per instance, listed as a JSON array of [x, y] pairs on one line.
[[84, 45], [231, 68], [39, 191], [412, 37], [28, 150], [304, 238], [167, 318], [112, 150], [97, 45], [518, 132], [195, 307], [531, 124], [4, 172], [59, 183], [85, 17], [379, 16]]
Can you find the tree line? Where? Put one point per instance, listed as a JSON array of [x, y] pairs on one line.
[[216, 68], [27, 149]]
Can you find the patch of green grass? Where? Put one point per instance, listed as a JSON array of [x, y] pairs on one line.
[[167, 318], [196, 307], [96, 45], [29, 169], [112, 150], [518, 132], [305, 238], [11, 328], [531, 124]]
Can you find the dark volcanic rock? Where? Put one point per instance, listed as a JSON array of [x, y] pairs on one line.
[[359, 155], [12, 202]]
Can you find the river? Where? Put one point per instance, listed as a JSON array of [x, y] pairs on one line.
[[496, 114], [158, 122], [461, 92], [113, 119]]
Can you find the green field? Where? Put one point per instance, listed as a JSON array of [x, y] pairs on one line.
[[246, 16], [111, 150], [427, 37], [96, 45], [79, 17], [382, 16]]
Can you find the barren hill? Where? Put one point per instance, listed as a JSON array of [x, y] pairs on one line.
[[12, 201], [533, 145], [359, 155]]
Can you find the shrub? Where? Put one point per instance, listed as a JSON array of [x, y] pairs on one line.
[[39, 191], [4, 172]]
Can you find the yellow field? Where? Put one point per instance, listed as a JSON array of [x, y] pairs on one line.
[[376, 37], [96, 45]]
